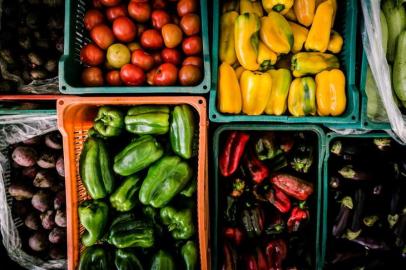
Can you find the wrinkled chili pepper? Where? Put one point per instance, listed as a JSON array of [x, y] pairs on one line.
[[232, 152], [293, 186], [297, 216], [279, 199], [256, 169], [234, 235], [276, 251]]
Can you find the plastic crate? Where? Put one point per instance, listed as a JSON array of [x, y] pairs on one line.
[[6, 102], [75, 118], [216, 244], [76, 37], [346, 24]]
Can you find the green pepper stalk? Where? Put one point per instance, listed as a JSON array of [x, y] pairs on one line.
[[125, 197], [109, 122], [190, 255], [126, 259], [93, 215], [180, 222]]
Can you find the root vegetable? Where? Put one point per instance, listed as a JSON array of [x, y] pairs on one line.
[[57, 253], [29, 172], [54, 140], [60, 218], [51, 65], [43, 179], [38, 241], [48, 219], [20, 192], [41, 201], [35, 59], [24, 156], [32, 221], [38, 74], [47, 160], [60, 200], [21, 208], [60, 166], [57, 236]]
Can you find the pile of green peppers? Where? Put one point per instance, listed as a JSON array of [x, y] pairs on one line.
[[138, 168]]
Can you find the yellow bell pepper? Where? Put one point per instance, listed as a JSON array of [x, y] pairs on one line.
[[276, 33], [310, 63], [319, 34], [266, 57], [229, 93], [299, 36], [238, 72], [333, 3], [246, 40], [336, 42], [231, 5], [255, 88], [290, 15], [302, 97], [304, 11], [281, 80], [330, 92], [281, 6], [227, 43], [251, 6]]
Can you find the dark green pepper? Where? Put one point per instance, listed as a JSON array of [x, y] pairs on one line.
[[148, 119], [162, 260], [125, 197], [182, 130], [109, 121], [95, 169], [266, 147], [190, 255], [96, 258], [180, 222], [252, 219], [126, 259], [164, 180], [190, 188], [93, 215], [152, 214], [126, 231], [138, 155]]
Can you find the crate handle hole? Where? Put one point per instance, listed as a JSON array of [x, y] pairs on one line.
[[61, 102], [200, 101], [214, 116], [353, 117], [63, 87], [366, 124], [204, 86]]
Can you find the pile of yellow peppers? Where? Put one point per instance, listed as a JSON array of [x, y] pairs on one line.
[[263, 43]]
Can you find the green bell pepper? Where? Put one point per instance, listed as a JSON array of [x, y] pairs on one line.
[[125, 197], [182, 130], [95, 169], [148, 119], [162, 260], [109, 121], [138, 155], [189, 254], [96, 258], [164, 180], [126, 259], [180, 222], [190, 189], [93, 215], [126, 231]]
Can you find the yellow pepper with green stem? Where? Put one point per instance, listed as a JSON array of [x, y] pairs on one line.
[[302, 97], [299, 36], [229, 92], [335, 43], [281, 79], [330, 92], [255, 88], [304, 11], [227, 43], [281, 6], [246, 40], [266, 57], [251, 6], [276, 33], [310, 63]]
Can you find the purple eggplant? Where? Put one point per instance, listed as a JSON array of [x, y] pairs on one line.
[[359, 202], [343, 216], [351, 173]]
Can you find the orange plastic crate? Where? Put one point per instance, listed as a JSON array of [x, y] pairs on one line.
[[75, 118]]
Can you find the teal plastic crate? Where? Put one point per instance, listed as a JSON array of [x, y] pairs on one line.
[[346, 24], [76, 37], [12, 108], [216, 246]]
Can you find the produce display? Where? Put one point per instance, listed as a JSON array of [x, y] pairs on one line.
[[38, 192], [137, 43], [138, 167], [279, 57], [267, 197], [366, 209]]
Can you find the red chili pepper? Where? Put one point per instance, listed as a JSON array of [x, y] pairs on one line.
[[296, 217], [232, 152], [279, 199], [256, 261], [235, 235], [250, 263], [230, 257], [257, 170], [276, 251], [261, 261], [293, 186]]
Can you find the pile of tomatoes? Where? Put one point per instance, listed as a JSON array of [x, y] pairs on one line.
[[142, 42]]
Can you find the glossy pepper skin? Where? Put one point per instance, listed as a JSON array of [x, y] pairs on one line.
[[290, 15], [93, 215], [333, 4], [147, 120], [257, 170], [230, 261], [297, 217], [281, 6], [246, 40], [232, 152], [266, 146], [335, 43], [304, 10], [125, 197], [137, 156], [266, 57], [330, 92], [279, 199], [256, 261], [227, 43], [276, 252], [319, 33], [109, 121], [256, 88], [95, 168], [251, 6], [293, 186], [311, 63], [302, 97], [183, 127], [234, 235], [125, 259], [163, 260], [180, 222], [96, 258], [165, 179], [190, 255], [252, 219], [190, 188], [126, 232], [229, 92], [276, 33], [300, 35], [277, 102]]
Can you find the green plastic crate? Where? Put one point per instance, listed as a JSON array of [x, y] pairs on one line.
[[346, 24], [8, 109], [216, 247], [76, 37]]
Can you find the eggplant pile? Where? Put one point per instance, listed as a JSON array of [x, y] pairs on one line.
[[367, 204]]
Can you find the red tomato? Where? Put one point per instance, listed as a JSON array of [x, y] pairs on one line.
[[192, 45], [124, 29], [141, 29], [141, 12], [91, 55], [132, 75], [97, 4], [157, 58], [190, 75], [166, 74], [102, 35], [158, 4], [172, 35], [160, 18], [113, 78], [113, 13], [186, 6], [92, 18], [110, 3], [150, 76], [151, 39], [190, 24], [171, 56], [142, 59], [194, 61], [92, 76]]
